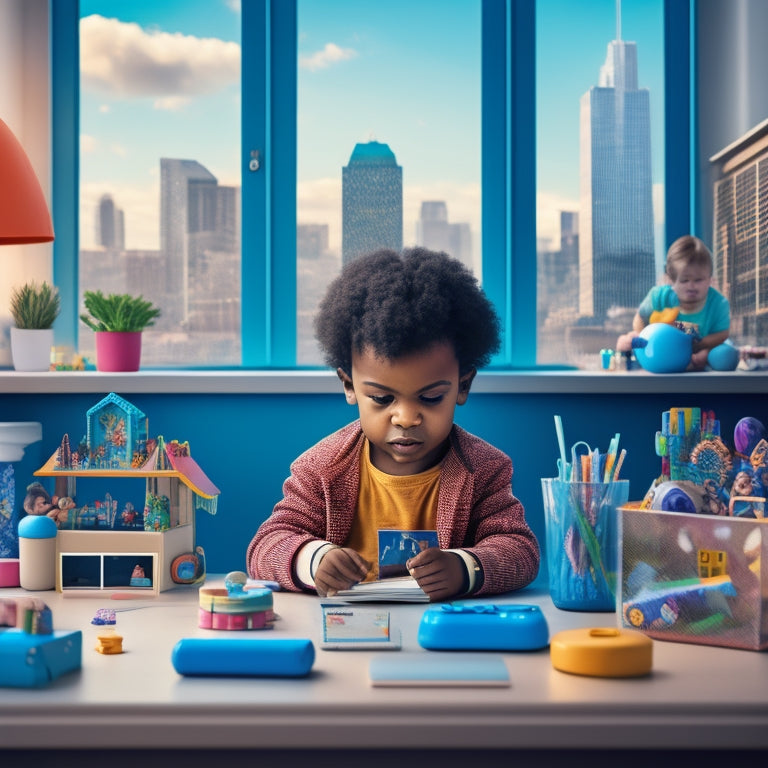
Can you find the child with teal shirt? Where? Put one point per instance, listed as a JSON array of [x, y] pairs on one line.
[[703, 312]]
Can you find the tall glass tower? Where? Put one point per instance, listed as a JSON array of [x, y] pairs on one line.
[[616, 243], [372, 201]]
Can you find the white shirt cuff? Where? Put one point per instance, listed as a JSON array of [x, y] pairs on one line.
[[310, 553], [470, 564]]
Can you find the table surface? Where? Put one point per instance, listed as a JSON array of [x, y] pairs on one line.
[[696, 696]]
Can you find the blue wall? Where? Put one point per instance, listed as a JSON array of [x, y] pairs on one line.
[[245, 443]]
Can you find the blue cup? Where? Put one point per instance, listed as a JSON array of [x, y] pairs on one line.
[[581, 522]]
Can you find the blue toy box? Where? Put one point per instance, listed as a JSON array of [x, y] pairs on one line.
[[32, 661]]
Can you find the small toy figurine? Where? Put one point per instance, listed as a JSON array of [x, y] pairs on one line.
[[138, 577]]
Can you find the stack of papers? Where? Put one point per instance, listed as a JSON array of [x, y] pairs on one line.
[[402, 589]]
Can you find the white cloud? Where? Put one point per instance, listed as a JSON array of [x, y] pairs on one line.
[[127, 61], [319, 202], [330, 54], [172, 103], [88, 144]]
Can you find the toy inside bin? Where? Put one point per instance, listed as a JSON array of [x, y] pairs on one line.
[[694, 578]]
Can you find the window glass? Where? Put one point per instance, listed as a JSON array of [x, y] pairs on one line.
[[389, 119], [600, 163], [159, 170]]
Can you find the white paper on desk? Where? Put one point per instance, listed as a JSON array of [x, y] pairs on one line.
[[402, 589]]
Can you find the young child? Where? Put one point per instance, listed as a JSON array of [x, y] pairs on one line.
[[703, 311], [406, 335]]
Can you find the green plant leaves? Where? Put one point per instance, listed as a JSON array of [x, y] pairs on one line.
[[118, 312], [35, 307]]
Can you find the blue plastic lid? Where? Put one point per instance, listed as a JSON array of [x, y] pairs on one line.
[[38, 527]]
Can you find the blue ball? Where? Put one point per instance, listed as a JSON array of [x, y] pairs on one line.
[[662, 348]]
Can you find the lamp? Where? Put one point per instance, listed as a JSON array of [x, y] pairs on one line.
[[24, 214], [24, 218]]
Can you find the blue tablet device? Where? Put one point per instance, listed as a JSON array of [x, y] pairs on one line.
[[483, 627]]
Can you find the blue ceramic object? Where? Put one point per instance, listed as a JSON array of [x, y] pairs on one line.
[[724, 357], [662, 348]]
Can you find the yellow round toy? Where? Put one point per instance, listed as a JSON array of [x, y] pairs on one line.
[[602, 652]]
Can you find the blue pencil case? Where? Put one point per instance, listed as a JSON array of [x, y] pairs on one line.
[[483, 627], [267, 657]]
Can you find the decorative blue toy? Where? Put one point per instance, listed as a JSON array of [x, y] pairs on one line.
[[483, 627], [662, 348], [723, 357]]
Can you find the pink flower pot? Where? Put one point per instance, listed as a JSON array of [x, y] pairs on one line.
[[118, 350]]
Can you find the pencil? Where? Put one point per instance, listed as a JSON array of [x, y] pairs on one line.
[[619, 463]]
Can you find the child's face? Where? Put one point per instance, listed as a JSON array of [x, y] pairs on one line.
[[406, 405], [691, 286]]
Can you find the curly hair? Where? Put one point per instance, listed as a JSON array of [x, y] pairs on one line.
[[398, 304]]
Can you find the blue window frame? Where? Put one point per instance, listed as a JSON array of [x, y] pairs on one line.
[[269, 194]]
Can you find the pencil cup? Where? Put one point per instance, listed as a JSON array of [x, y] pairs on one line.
[[582, 542]]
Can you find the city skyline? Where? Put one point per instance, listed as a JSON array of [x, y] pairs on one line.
[[121, 106]]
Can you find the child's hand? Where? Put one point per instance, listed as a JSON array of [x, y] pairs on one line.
[[624, 342], [340, 568], [440, 574]]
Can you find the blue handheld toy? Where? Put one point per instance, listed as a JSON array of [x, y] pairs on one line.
[[483, 627], [662, 348], [723, 357], [272, 657]]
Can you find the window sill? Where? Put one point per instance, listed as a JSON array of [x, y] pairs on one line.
[[325, 382]]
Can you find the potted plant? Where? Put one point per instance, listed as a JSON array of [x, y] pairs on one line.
[[34, 308], [118, 321]]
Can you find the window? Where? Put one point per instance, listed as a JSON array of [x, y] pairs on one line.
[[160, 170], [388, 151], [600, 163], [299, 87]]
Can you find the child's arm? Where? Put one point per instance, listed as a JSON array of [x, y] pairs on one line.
[[711, 340], [624, 342], [638, 322], [496, 533], [702, 346]]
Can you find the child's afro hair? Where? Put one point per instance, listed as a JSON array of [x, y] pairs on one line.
[[398, 304]]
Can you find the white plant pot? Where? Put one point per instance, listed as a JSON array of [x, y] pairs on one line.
[[31, 348]]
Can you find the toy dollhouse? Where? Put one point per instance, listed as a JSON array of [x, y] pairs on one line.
[[127, 544]]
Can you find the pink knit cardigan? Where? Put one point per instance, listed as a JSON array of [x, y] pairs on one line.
[[476, 510]]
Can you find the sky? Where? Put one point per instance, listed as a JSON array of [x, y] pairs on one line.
[[162, 79]]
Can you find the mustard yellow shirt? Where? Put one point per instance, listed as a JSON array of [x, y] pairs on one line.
[[400, 502]]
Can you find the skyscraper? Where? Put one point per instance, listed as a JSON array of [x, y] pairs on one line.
[[199, 220], [438, 234], [740, 241], [616, 243], [372, 201], [110, 231]]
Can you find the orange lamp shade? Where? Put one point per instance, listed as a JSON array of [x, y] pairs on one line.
[[24, 214]]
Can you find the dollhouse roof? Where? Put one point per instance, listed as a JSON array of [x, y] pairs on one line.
[[175, 456], [114, 399]]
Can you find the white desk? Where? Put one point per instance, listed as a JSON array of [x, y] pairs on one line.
[[697, 696]]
